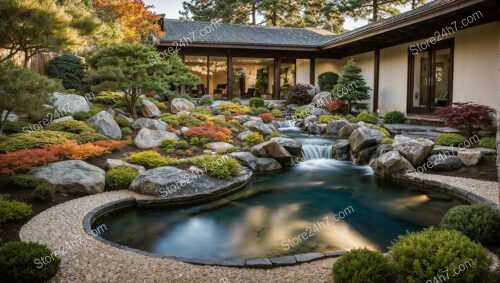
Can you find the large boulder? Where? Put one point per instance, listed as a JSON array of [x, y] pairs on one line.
[[319, 112], [364, 156], [241, 136], [114, 163], [151, 124], [310, 119], [313, 128], [256, 163], [443, 162], [147, 138], [416, 151], [382, 149], [321, 99], [176, 184], [149, 109], [181, 104], [272, 149], [105, 124], [391, 163], [242, 118], [341, 150], [364, 137], [333, 127], [469, 157], [260, 127], [70, 103], [73, 176], [267, 164], [346, 131], [291, 145], [219, 147]]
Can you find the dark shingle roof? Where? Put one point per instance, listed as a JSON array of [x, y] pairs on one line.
[[176, 30]]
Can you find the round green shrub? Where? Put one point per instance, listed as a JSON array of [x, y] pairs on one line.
[[256, 102], [122, 122], [24, 262], [277, 113], [362, 266], [253, 139], [420, 256], [170, 151], [126, 131], [480, 222], [222, 167], [120, 177], [206, 100], [489, 142], [69, 68], [194, 141], [367, 117], [44, 193], [182, 144], [13, 210], [23, 181], [394, 117], [327, 81], [179, 152], [151, 159], [168, 143], [449, 139], [71, 126], [109, 97]]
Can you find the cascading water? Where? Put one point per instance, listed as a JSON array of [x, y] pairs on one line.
[[286, 125], [315, 151]]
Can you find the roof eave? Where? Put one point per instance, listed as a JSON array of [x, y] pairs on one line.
[[175, 44]]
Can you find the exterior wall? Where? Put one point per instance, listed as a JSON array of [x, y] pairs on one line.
[[303, 71], [327, 65], [393, 79]]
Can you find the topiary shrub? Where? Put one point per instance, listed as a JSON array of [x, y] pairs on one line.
[[69, 68], [19, 127], [253, 139], [480, 222], [120, 177], [449, 139], [298, 94], [44, 193], [394, 117], [327, 81], [27, 262], [168, 143], [206, 100], [13, 210], [256, 102], [425, 255], [489, 142], [367, 117], [23, 181], [151, 159], [362, 266], [222, 167], [325, 119], [70, 126], [276, 113]]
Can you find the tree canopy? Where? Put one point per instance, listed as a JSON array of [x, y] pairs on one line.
[[374, 10]]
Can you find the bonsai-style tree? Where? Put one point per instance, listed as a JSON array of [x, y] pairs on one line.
[[469, 114], [351, 86], [134, 69], [327, 81], [23, 91]]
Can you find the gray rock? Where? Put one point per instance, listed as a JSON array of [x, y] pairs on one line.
[[364, 156], [73, 176], [242, 135], [267, 164], [283, 260], [114, 163], [346, 131], [321, 99], [260, 127], [309, 119], [259, 263], [123, 116], [111, 112], [416, 151], [181, 104], [333, 127], [256, 119], [70, 103], [391, 163], [313, 128], [444, 162], [291, 145], [242, 118], [219, 147], [66, 118], [272, 149], [383, 149], [308, 257], [149, 109], [147, 138], [364, 137], [177, 184], [152, 124], [469, 157], [105, 124], [340, 150], [319, 111], [246, 159]]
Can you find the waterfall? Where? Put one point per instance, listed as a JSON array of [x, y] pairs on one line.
[[315, 151], [286, 124]]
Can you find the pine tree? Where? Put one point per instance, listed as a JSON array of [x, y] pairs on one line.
[[374, 10], [351, 86]]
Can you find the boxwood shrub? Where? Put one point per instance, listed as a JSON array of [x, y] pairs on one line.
[[151, 159], [120, 177], [480, 222], [362, 266], [422, 256], [13, 210], [22, 262], [367, 117], [394, 117], [222, 167], [449, 139]]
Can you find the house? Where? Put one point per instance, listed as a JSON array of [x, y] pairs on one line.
[[443, 52]]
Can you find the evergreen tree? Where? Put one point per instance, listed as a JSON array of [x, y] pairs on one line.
[[374, 10], [351, 86], [69, 68], [229, 12], [23, 91]]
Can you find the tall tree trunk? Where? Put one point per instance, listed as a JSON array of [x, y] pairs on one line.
[[375, 10], [3, 121], [133, 100], [254, 14], [413, 4], [26, 59]]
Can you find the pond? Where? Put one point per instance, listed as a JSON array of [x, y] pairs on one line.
[[318, 205]]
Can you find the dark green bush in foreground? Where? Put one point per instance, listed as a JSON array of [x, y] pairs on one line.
[[422, 256], [23, 181], [449, 139], [120, 177], [362, 266], [12, 210], [394, 117], [19, 262], [222, 167], [44, 193], [480, 222]]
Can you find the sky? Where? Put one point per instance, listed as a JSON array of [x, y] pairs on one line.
[[171, 10]]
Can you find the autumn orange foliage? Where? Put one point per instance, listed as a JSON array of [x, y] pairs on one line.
[[209, 130]]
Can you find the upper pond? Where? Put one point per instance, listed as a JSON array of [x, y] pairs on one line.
[[286, 212]]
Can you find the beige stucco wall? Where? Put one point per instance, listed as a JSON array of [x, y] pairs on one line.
[[303, 71], [393, 79]]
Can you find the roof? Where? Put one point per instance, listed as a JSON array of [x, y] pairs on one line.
[[206, 32]]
